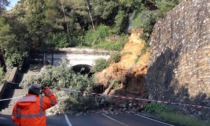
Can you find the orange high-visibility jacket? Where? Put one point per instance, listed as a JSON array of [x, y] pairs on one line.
[[30, 110]]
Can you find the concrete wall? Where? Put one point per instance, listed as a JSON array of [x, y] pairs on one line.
[[179, 67], [75, 59], [76, 56], [6, 84]]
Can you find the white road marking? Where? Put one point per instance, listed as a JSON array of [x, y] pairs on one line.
[[115, 120], [67, 120], [154, 120]]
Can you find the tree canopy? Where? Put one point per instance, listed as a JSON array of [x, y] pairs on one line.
[[43, 25]]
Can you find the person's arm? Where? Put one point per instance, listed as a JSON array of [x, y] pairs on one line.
[[14, 116], [49, 99]]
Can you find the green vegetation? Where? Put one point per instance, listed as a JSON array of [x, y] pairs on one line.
[[103, 38], [165, 6], [165, 113], [113, 45], [100, 64], [157, 108], [2, 75], [115, 57], [45, 25], [64, 77], [180, 119], [95, 37], [146, 17], [42, 26], [147, 25]]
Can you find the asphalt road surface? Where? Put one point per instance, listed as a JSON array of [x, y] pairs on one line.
[[93, 119]]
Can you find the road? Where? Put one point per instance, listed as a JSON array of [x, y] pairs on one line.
[[93, 119]]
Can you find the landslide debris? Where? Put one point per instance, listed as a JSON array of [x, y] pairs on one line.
[[127, 76]]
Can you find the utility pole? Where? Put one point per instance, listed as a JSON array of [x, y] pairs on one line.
[[89, 13]]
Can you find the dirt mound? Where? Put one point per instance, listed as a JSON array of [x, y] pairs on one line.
[[127, 76]]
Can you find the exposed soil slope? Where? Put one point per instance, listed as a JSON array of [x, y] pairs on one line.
[[127, 76]]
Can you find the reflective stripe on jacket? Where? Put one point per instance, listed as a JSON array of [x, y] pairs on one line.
[[30, 110]]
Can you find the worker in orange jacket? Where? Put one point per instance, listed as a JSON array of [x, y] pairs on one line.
[[30, 110]]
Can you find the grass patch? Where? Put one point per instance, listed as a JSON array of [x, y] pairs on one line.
[[168, 114], [157, 108], [180, 119], [112, 45]]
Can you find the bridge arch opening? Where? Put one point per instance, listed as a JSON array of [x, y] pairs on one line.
[[83, 69]]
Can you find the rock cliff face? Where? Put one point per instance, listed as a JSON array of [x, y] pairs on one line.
[[179, 65]]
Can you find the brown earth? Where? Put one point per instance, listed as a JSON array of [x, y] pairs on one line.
[[127, 76]]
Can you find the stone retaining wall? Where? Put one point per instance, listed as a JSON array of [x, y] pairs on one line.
[[179, 67]]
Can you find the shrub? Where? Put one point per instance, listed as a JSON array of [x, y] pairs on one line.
[[147, 25], [61, 76], [94, 37], [144, 20], [100, 64], [64, 77], [115, 57], [112, 45], [97, 39], [120, 22], [75, 41], [136, 21], [59, 40], [165, 6]]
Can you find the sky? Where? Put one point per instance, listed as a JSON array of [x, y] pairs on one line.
[[12, 4]]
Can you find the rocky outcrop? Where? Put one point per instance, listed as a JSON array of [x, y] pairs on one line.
[[179, 65]]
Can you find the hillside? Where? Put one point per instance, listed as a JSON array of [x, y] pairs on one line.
[[127, 76], [177, 67]]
